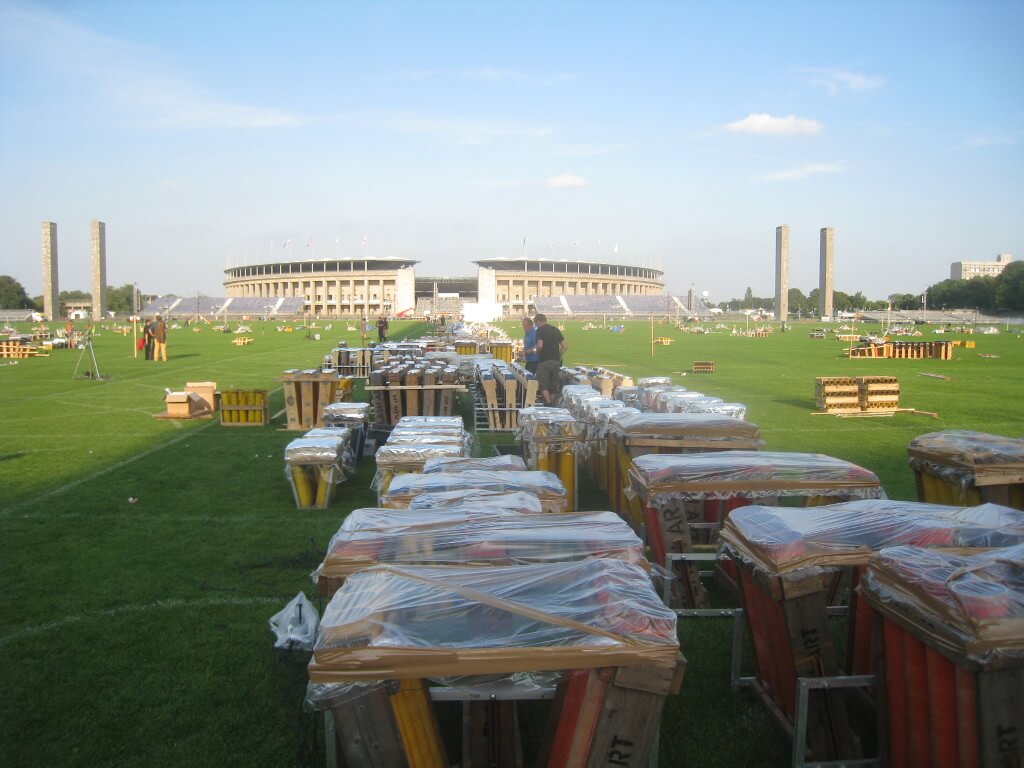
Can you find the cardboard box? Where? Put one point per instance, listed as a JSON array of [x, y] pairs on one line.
[[207, 391], [184, 405]]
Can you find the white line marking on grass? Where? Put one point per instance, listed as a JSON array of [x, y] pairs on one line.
[[105, 471], [134, 608]]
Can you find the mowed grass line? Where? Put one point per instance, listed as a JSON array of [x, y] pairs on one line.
[[135, 634]]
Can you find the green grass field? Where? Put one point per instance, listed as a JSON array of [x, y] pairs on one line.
[[135, 634]]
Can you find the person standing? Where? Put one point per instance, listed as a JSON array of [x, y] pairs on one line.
[[550, 348], [530, 355], [159, 339], [147, 339], [382, 328]]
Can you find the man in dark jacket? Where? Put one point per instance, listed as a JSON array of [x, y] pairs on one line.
[[550, 348], [159, 339]]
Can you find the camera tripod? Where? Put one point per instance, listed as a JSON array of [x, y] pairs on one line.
[[89, 373]]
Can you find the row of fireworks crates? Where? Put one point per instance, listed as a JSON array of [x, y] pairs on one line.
[[504, 390], [902, 691], [846, 394], [499, 349], [551, 440], [413, 389], [907, 350], [605, 716]]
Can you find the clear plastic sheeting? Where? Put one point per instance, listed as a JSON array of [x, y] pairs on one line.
[[367, 519], [414, 456], [648, 398], [506, 463], [517, 501], [345, 433], [545, 485], [488, 541], [691, 404], [346, 414], [671, 400], [732, 410], [968, 458], [705, 430], [440, 421], [630, 396], [749, 474], [969, 606], [392, 622], [540, 424], [782, 539], [315, 450]]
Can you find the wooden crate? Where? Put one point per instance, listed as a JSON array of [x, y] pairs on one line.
[[876, 393], [490, 735], [837, 394], [703, 366], [608, 716], [244, 408], [305, 395]]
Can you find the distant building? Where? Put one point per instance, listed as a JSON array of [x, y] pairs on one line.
[[367, 286], [516, 282], [965, 270], [782, 272]]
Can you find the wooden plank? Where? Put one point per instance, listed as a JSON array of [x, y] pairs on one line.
[[1001, 717], [412, 392], [367, 732], [429, 395], [627, 728], [394, 378]]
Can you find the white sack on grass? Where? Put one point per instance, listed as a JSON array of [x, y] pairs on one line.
[[295, 626]]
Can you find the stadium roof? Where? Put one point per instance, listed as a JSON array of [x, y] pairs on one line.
[[496, 260]]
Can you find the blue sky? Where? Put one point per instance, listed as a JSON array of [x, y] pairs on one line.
[[211, 133]]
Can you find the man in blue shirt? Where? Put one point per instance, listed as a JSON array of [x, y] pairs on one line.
[[530, 345]]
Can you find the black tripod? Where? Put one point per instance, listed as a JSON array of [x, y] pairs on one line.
[[94, 372]]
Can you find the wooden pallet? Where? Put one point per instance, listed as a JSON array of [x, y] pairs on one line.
[[305, 395], [15, 350], [703, 366]]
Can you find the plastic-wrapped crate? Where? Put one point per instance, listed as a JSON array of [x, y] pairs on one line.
[[598, 617], [487, 540], [545, 485], [679, 490], [630, 396], [952, 655], [346, 414], [964, 468], [650, 394], [314, 468], [394, 459], [791, 561], [521, 501], [438, 421], [632, 435], [551, 439], [388, 622], [507, 463]]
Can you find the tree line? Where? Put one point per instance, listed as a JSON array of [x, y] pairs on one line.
[[1004, 293], [13, 296]]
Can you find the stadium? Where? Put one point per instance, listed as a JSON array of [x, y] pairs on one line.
[[510, 287]]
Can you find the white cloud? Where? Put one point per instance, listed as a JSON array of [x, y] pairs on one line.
[[836, 81], [566, 181], [994, 138], [804, 172], [769, 125], [123, 76]]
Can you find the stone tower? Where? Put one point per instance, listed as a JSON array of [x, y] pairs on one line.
[[51, 291], [782, 272], [99, 270], [825, 272]]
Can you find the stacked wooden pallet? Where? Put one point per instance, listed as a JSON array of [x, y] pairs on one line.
[[413, 388], [16, 350], [837, 394], [878, 393]]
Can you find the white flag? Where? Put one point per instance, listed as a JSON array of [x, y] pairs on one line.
[[337, 240], [577, 243], [598, 246], [364, 239], [287, 243], [615, 250]]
